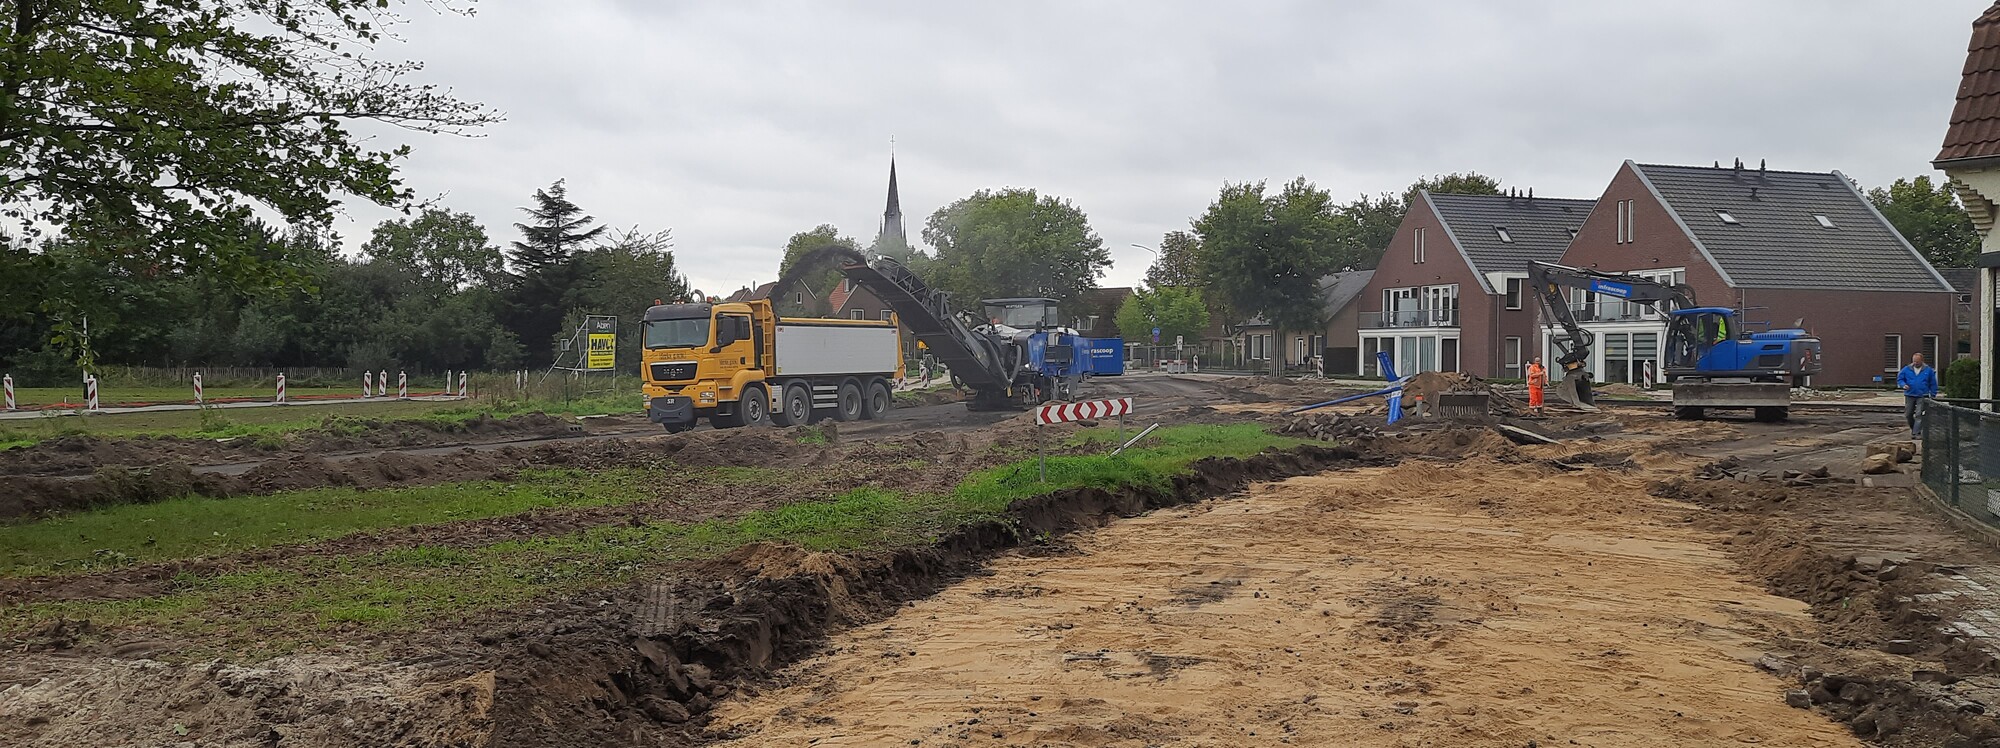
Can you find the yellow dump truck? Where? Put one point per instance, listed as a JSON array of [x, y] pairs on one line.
[[739, 364]]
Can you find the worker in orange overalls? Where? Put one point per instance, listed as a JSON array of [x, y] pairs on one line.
[[1537, 378]]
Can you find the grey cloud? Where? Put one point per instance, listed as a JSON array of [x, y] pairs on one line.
[[739, 123]]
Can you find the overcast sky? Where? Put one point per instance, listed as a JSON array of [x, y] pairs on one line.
[[737, 124]]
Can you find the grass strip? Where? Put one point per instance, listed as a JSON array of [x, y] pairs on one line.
[[311, 599], [275, 423]]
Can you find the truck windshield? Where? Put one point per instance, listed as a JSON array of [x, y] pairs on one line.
[[1023, 315], [677, 333]]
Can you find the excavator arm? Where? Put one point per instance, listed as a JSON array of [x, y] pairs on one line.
[[1551, 283]]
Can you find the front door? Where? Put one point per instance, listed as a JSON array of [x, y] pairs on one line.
[[735, 356]]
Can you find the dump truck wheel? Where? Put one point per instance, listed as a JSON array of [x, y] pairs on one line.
[[848, 405], [1772, 413], [878, 402], [795, 408], [754, 407]]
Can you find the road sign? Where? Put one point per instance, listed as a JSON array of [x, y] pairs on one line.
[[1180, 341], [1087, 410], [1156, 336]]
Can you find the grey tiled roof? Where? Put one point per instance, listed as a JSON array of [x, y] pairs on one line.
[[1962, 280], [1336, 291], [1776, 242], [1539, 226]]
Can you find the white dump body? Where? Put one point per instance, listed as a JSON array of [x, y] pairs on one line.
[[806, 349]]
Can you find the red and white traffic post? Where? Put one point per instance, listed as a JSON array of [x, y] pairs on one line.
[[402, 385], [461, 383], [7, 383], [447, 383], [281, 389], [199, 396], [367, 384], [89, 392], [1087, 410], [382, 383]]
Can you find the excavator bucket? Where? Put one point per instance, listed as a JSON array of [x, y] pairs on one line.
[[1575, 389]]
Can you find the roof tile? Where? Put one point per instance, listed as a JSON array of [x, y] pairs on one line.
[[1974, 130], [1539, 226]]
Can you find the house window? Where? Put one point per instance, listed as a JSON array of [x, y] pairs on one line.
[[1892, 352], [798, 297], [1824, 221], [1504, 236], [1369, 346], [857, 314], [885, 315], [1514, 288], [1624, 222], [1510, 358], [1417, 245], [1930, 349], [1726, 217]]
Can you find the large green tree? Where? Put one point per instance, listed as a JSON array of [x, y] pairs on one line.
[[1176, 311], [1013, 243], [1179, 263], [814, 287], [544, 269], [1266, 253], [173, 123], [444, 251], [1929, 215], [624, 276]]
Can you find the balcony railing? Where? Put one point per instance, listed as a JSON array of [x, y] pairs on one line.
[[1409, 318]]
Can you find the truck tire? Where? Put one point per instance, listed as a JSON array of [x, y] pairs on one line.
[[754, 408], [1772, 413], [795, 408], [1688, 412], [878, 401], [847, 405]]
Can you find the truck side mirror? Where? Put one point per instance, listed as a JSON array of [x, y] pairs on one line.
[[725, 335]]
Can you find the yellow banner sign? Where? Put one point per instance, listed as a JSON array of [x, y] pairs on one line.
[[603, 351]]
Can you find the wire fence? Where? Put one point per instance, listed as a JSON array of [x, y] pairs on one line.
[[1960, 444]]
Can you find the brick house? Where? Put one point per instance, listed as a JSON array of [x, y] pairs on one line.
[[1781, 247], [1970, 155], [851, 301], [1447, 294]]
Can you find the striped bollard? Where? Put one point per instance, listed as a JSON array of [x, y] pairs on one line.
[[199, 396], [461, 383], [281, 388], [382, 383], [89, 392], [402, 385], [367, 383], [447, 383], [7, 383]]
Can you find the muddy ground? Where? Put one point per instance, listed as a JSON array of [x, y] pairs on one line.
[[1639, 584]]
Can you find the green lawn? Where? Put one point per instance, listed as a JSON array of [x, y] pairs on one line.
[[306, 599], [217, 423]]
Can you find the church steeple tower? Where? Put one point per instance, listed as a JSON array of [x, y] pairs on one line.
[[892, 217]]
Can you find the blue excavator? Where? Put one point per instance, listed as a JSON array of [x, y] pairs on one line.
[[1017, 356], [1712, 362]]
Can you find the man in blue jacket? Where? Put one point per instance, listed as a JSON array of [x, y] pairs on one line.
[[1918, 381]]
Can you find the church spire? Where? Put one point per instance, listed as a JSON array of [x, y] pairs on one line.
[[892, 217]]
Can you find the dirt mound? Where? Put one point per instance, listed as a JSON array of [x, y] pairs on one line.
[[80, 455]]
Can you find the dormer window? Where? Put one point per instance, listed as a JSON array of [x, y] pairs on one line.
[[1726, 217], [1824, 222], [1504, 236]]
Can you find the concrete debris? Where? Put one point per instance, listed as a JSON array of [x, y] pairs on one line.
[[1899, 451], [1328, 426], [1879, 464]]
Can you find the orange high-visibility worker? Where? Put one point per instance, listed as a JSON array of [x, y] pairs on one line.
[[1537, 378]]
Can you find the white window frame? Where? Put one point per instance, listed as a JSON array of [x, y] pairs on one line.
[[1727, 217], [1824, 221], [1932, 346], [1501, 231], [1511, 347], [1895, 362], [886, 314], [1417, 244], [857, 314], [1515, 293]]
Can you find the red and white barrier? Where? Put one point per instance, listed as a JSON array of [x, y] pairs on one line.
[[402, 385], [281, 389], [89, 392], [1088, 410], [461, 383], [382, 383], [367, 384], [7, 383], [199, 396], [447, 383]]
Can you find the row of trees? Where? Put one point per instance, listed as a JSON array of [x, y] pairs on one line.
[[430, 291]]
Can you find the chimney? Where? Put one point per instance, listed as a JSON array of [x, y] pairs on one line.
[[1760, 167], [1739, 164]]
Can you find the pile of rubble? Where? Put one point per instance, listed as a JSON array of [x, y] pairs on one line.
[[1883, 457], [1731, 469], [1329, 426]]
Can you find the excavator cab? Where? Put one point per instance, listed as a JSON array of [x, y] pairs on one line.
[[1692, 334], [1022, 314]]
